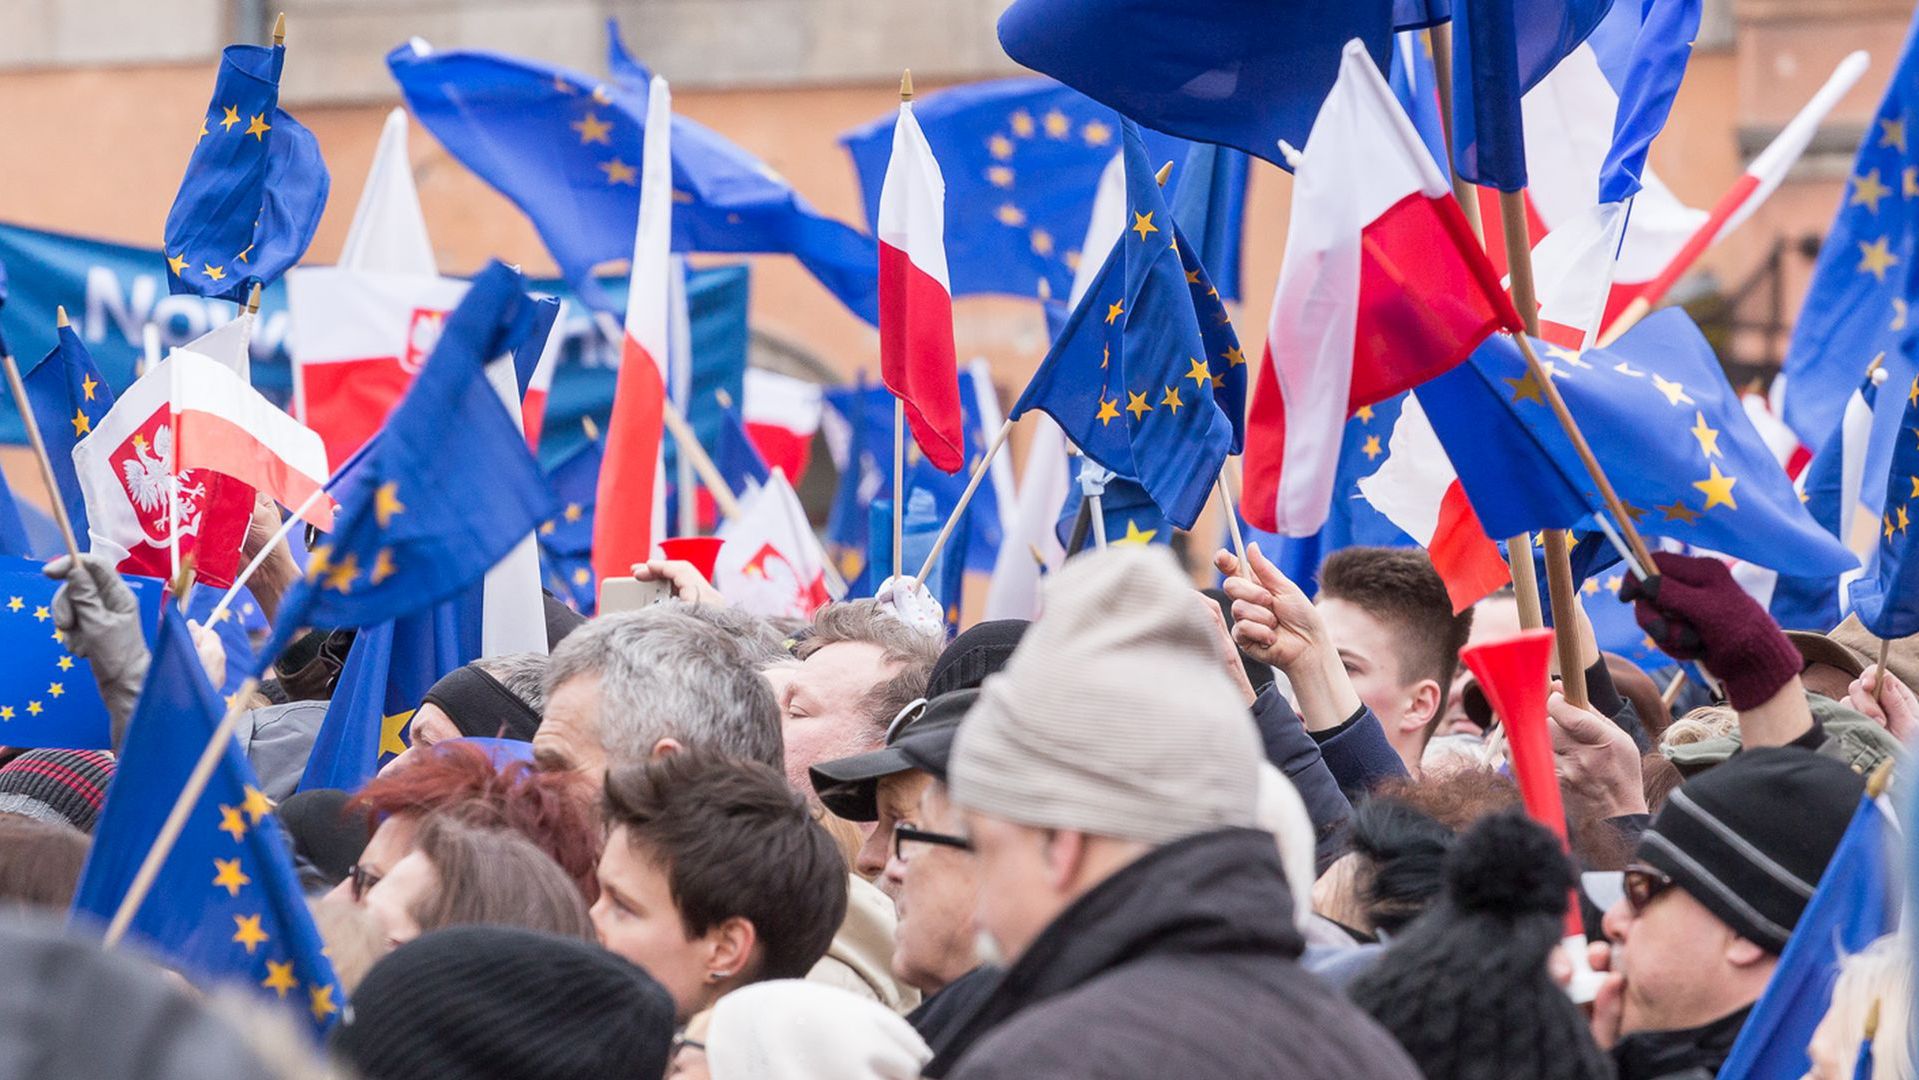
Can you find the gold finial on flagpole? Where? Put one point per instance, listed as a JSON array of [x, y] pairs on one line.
[[906, 85], [280, 29], [60, 317], [1165, 171], [253, 300]]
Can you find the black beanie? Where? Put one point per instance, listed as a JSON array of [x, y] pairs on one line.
[[1750, 838], [482, 707], [1465, 990], [499, 1003], [325, 834], [981, 651]]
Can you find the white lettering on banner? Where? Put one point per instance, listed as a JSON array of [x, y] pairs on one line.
[[114, 307], [107, 300]]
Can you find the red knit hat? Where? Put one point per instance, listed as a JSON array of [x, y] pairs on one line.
[[67, 786]]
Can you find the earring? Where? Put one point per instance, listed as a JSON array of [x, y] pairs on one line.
[[716, 976]]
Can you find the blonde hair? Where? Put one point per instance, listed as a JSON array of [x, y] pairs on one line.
[[1876, 981], [1705, 722]]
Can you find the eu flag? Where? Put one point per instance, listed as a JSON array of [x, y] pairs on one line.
[[254, 187], [858, 423], [1127, 512], [407, 534], [1886, 599], [1859, 303], [1660, 417], [1131, 378], [1833, 488], [1857, 901], [47, 694], [388, 670], [566, 538], [67, 394], [566, 149], [1502, 48], [1021, 159], [235, 628], [1243, 73], [226, 906]]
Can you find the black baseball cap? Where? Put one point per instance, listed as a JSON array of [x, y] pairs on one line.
[[849, 786]]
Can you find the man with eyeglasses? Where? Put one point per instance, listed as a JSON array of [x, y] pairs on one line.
[[1698, 919]]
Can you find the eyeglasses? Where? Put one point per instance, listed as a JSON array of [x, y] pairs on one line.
[[361, 880], [904, 833], [1643, 885]]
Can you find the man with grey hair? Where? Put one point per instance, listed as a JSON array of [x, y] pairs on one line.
[[625, 687], [1108, 783]]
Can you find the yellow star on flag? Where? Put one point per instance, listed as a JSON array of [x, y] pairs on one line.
[[1136, 404], [34, 708], [1171, 400], [1000, 147], [1042, 242], [1718, 489], [6, 712], [1192, 276], [1591, 587], [175, 263], [258, 127], [1096, 133], [1867, 191], [1525, 388], [203, 131], [1915, 488], [247, 932], [1675, 392], [1022, 123], [383, 567], [582, 576], [1707, 436], [391, 741], [41, 614], [341, 575], [213, 273], [999, 176], [256, 804], [280, 977], [1876, 258], [1678, 511], [1113, 313], [602, 95], [65, 663], [1057, 126], [1136, 536], [619, 172], [1365, 414], [228, 875], [320, 1002], [15, 604], [88, 383], [54, 690], [592, 129], [1909, 182], [1888, 525], [1892, 133], [1010, 216], [81, 422], [231, 118], [387, 504], [319, 557], [547, 527], [1372, 448], [1108, 411], [1904, 520], [242, 257], [233, 823], [1143, 224], [1234, 356], [1198, 374]]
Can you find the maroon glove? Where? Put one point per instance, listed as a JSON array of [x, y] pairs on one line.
[[1693, 610]]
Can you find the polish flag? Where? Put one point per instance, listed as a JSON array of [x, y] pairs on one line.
[[1383, 287], [176, 461], [917, 359], [1417, 489], [781, 415], [533, 405], [771, 563], [631, 498]]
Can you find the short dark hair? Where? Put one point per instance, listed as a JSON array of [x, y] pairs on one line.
[[735, 841], [1399, 587], [40, 864]]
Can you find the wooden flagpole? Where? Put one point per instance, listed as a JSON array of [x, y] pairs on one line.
[[972, 485], [25, 409]]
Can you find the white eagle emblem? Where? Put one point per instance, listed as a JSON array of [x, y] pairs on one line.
[[152, 486]]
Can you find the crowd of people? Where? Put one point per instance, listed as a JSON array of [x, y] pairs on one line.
[[1157, 832]]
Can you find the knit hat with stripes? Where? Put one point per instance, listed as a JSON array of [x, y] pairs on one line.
[[1749, 839], [1115, 715], [57, 785]]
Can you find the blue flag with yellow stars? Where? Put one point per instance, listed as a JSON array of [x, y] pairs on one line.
[[929, 502], [254, 187], [67, 394], [409, 532], [1131, 378], [1021, 159], [566, 149], [1860, 302], [858, 423], [1666, 427], [1886, 599], [566, 538], [235, 628], [1243, 73], [388, 670], [1501, 49], [47, 694], [226, 907], [1129, 514]]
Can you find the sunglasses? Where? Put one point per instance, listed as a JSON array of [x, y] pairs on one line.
[[1643, 885], [903, 834], [361, 879]]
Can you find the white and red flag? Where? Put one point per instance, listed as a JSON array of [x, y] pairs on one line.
[[771, 563], [781, 415], [175, 462], [1418, 490], [917, 359], [1383, 287], [533, 404], [630, 509]]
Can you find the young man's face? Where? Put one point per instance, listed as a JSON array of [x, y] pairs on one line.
[[637, 919], [1371, 652]]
